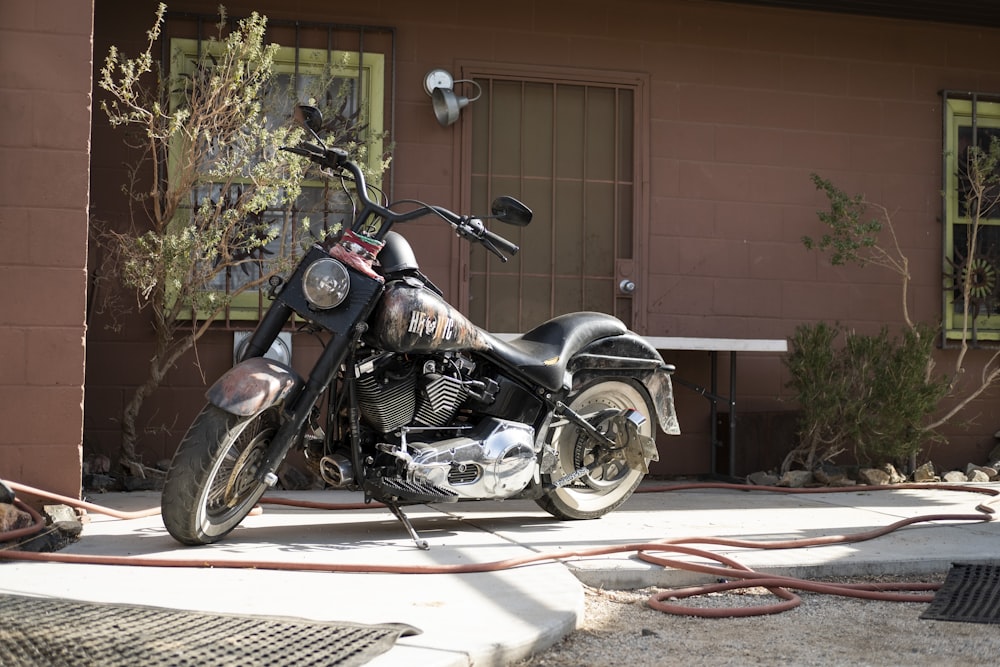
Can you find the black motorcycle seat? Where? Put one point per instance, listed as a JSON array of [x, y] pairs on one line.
[[543, 353]]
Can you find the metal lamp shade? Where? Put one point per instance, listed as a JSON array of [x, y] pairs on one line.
[[447, 105]]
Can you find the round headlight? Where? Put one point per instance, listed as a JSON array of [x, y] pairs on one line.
[[326, 283]]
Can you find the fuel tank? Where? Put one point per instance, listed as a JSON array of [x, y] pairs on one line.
[[412, 318]]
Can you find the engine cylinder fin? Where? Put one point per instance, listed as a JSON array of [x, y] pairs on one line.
[[439, 401], [386, 406]]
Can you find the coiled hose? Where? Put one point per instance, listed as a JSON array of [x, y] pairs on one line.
[[736, 576]]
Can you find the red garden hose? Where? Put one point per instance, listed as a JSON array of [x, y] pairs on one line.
[[662, 601]]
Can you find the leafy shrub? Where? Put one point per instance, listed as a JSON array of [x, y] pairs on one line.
[[870, 395]]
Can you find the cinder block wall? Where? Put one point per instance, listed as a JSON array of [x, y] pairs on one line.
[[45, 93], [745, 102]]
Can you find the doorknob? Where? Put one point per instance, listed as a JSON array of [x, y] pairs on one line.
[[626, 286]]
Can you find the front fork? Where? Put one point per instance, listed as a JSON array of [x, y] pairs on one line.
[[267, 330], [322, 376]]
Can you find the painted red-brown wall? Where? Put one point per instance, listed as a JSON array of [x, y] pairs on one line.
[[45, 86], [745, 103]]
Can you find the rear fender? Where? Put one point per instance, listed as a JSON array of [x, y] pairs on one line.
[[661, 390], [629, 355], [253, 385]]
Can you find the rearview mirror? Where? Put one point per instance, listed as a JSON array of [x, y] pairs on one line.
[[509, 210], [310, 117]]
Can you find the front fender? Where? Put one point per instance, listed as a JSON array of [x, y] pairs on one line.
[[253, 385]]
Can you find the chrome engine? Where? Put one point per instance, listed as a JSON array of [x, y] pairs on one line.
[[413, 405], [495, 460]]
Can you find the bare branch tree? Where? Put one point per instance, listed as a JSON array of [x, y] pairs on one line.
[[851, 238], [211, 194]]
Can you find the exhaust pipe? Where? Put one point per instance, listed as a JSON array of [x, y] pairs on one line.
[[336, 470]]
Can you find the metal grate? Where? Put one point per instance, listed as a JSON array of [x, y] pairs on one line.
[[970, 594], [65, 633]]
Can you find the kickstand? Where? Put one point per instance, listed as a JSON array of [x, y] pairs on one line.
[[395, 509]]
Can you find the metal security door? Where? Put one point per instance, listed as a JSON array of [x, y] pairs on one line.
[[567, 149]]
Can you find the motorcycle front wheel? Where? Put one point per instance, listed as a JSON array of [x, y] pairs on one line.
[[611, 482], [211, 485]]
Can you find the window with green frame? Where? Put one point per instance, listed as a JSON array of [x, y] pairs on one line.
[[354, 83], [971, 233]]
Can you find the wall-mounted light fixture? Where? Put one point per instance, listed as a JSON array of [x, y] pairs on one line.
[[440, 85]]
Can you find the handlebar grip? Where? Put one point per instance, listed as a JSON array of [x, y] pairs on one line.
[[327, 157], [500, 242]]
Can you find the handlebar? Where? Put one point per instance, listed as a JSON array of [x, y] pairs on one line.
[[332, 158], [465, 226], [474, 229], [498, 240]]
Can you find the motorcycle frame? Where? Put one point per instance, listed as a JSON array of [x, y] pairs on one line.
[[624, 356]]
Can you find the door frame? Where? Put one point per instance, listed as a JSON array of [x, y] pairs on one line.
[[635, 269]]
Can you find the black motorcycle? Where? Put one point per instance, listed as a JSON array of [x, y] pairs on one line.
[[409, 401]]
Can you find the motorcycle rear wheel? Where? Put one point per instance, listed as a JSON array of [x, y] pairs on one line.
[[211, 485], [609, 485]]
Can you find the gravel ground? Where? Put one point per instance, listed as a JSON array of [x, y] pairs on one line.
[[620, 629]]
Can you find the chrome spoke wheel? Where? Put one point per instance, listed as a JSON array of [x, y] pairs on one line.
[[212, 482], [609, 480]]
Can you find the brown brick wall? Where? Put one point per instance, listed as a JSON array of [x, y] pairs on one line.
[[45, 77], [745, 102]]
